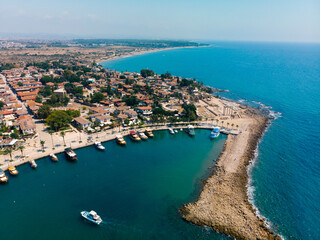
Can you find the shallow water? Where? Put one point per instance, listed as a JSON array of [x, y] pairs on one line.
[[285, 76]]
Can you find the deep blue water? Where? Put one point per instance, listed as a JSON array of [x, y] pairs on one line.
[[285, 76]]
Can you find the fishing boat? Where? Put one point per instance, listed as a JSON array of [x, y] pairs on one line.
[[92, 216], [99, 146], [190, 130], [53, 157], [3, 177], [134, 136], [149, 133], [120, 140], [142, 135], [171, 131], [215, 132], [33, 164], [70, 154], [13, 171]]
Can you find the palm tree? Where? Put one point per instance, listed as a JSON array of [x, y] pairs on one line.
[[51, 132], [228, 124], [237, 126], [21, 149], [9, 151], [62, 135], [222, 123], [42, 144], [232, 125], [217, 120]]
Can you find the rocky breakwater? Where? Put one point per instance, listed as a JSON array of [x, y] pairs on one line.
[[223, 203]]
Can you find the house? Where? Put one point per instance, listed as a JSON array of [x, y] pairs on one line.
[[84, 123], [60, 92], [27, 126], [144, 110], [131, 113], [105, 119]]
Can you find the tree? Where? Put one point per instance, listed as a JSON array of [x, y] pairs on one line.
[[146, 73], [97, 97], [2, 104], [58, 119], [166, 75], [232, 125], [190, 111], [42, 144], [21, 149], [51, 133], [44, 111], [20, 84], [62, 135], [9, 151]]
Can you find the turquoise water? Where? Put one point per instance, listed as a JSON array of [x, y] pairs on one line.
[[285, 76], [137, 190]]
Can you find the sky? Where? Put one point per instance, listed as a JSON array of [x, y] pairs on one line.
[[233, 20]]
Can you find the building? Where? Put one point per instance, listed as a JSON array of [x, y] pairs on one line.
[[84, 123]]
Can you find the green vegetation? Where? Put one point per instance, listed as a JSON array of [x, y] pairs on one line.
[[146, 73], [97, 97], [2, 104], [76, 91], [190, 112], [7, 66], [131, 101], [44, 111], [59, 118]]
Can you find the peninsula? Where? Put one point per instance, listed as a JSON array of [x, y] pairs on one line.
[[48, 105]]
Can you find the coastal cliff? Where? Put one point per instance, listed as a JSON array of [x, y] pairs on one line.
[[223, 204]]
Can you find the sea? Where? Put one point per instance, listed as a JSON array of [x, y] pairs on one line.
[[138, 189], [282, 79]]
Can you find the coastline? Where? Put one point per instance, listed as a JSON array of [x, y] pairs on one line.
[[223, 203]]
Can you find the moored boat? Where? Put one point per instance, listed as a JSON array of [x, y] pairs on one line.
[[53, 157], [3, 177], [215, 132], [190, 130], [149, 133], [70, 154], [134, 136], [171, 131], [142, 135], [120, 140], [92, 216], [99, 146], [13, 171], [33, 164]]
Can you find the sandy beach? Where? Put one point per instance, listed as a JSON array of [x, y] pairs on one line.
[[223, 204]]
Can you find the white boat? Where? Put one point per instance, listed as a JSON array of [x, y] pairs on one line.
[[190, 130], [53, 157], [171, 131], [99, 146], [3, 177], [92, 216], [175, 130], [142, 136], [149, 133], [33, 164], [120, 140], [215, 132]]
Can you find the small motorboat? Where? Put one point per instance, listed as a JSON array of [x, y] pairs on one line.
[[190, 130], [175, 130], [171, 131], [13, 171], [99, 146], [142, 136], [92, 216], [70, 154], [120, 140], [33, 164], [149, 133], [3, 177], [134, 136], [53, 157], [215, 132]]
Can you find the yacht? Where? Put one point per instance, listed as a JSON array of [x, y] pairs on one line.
[[33, 164], [142, 136], [53, 157], [99, 146], [215, 132], [149, 133], [190, 130], [171, 131], [13, 170], [134, 136], [120, 140], [3, 177], [70, 154], [92, 216]]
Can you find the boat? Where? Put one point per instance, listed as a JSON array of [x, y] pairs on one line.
[[171, 131], [13, 171], [190, 130], [149, 133], [120, 140], [92, 216], [70, 154], [3, 177], [142, 135], [134, 136], [53, 157], [33, 164], [215, 132], [175, 130], [99, 146]]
